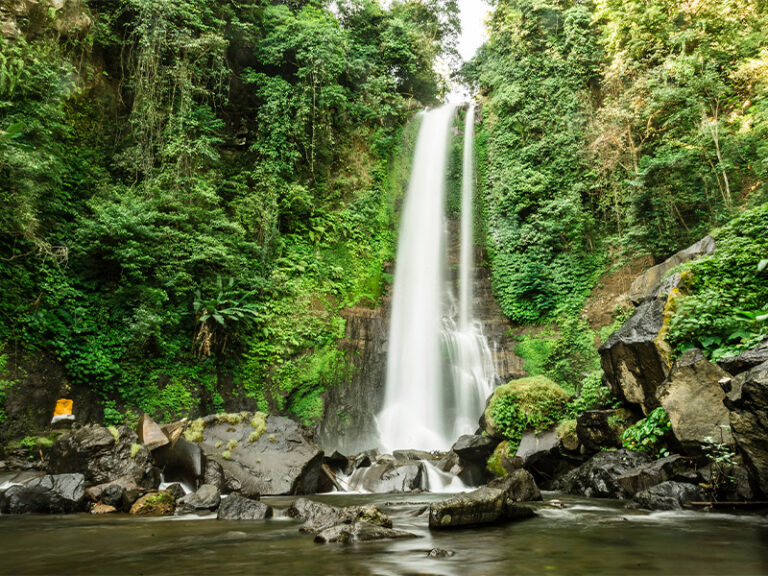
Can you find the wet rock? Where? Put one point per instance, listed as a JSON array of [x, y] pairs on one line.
[[540, 454], [213, 473], [260, 455], [597, 429], [644, 286], [236, 507], [475, 448], [306, 509], [177, 490], [319, 517], [647, 475], [207, 497], [489, 504], [103, 455], [154, 504], [99, 509], [51, 494], [150, 434], [359, 532], [440, 553], [362, 460], [668, 496], [337, 460], [598, 476], [174, 430], [693, 399], [113, 493], [746, 361], [747, 401], [634, 359]]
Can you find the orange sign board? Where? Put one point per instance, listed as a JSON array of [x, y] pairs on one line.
[[63, 407]]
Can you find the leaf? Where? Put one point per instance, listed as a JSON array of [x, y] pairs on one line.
[[762, 265], [220, 319]]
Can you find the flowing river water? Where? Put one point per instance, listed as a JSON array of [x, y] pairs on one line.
[[586, 537]]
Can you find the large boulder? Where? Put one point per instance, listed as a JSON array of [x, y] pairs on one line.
[[207, 497], [319, 517], [599, 429], [647, 475], [598, 476], [115, 493], [236, 507], [541, 454], [747, 400], [102, 455], [259, 454], [493, 503], [693, 399], [635, 358], [475, 448], [52, 494], [150, 434], [645, 284], [668, 496], [154, 504]]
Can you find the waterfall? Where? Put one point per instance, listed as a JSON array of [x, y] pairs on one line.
[[439, 368]]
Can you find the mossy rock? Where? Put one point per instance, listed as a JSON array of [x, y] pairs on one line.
[[154, 504], [494, 465], [528, 403], [566, 431]]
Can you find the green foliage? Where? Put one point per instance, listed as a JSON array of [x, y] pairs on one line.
[[5, 386], [495, 464], [721, 460], [648, 434], [534, 403], [723, 305], [593, 395]]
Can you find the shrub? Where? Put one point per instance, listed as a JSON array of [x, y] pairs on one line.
[[647, 434]]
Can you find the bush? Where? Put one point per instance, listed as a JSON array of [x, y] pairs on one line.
[[647, 434], [534, 403]]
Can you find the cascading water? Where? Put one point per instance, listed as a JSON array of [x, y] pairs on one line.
[[471, 363], [412, 415], [440, 368]]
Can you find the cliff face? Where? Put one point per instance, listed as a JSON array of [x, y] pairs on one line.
[[349, 423]]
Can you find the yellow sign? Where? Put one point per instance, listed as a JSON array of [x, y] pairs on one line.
[[63, 407]]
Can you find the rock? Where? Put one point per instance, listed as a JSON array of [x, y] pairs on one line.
[[213, 473], [177, 490], [735, 365], [440, 553], [362, 460], [51, 494], [541, 456], [236, 507], [693, 399], [646, 475], [359, 532], [259, 454], [747, 401], [597, 429], [598, 476], [634, 358], [388, 476], [99, 509], [173, 431], [207, 497], [150, 434], [181, 461], [103, 455], [644, 286], [113, 493], [337, 460], [154, 504], [668, 496], [319, 517], [489, 504], [475, 448]]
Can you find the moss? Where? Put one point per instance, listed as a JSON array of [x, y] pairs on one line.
[[231, 445], [218, 444], [135, 449], [495, 461], [115, 433], [566, 431], [155, 504], [234, 418], [272, 438], [259, 424], [194, 432], [227, 455], [528, 403]]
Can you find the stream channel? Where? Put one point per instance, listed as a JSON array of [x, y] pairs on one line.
[[586, 537]]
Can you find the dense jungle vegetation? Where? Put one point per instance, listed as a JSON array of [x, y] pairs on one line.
[[192, 190], [613, 129]]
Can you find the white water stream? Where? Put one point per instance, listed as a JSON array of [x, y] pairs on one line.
[[440, 368]]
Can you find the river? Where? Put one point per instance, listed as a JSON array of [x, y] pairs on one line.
[[587, 537]]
